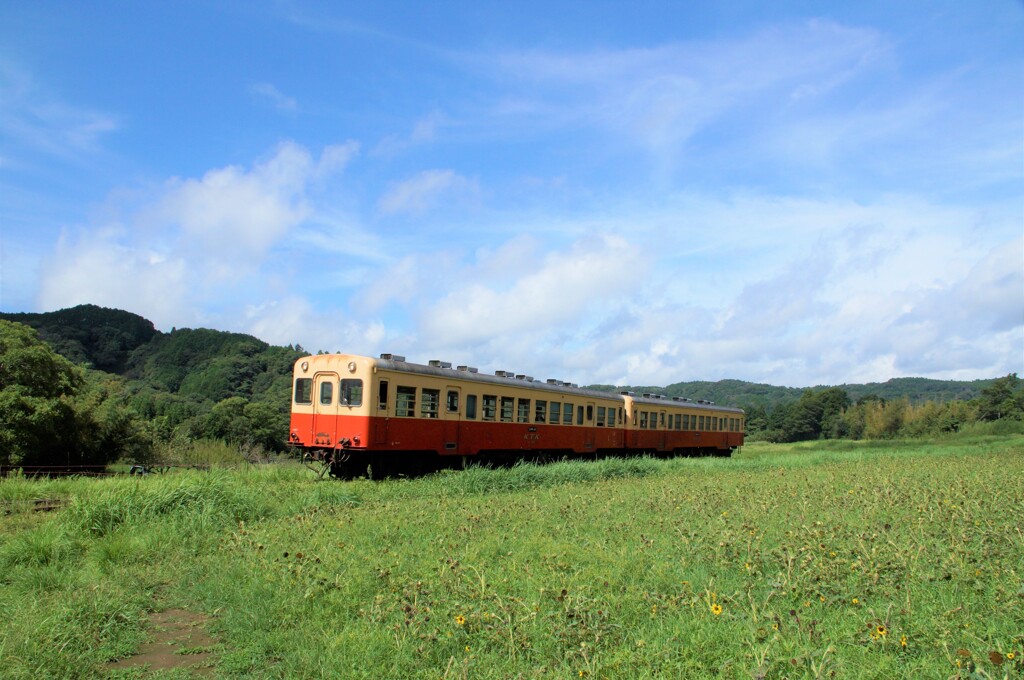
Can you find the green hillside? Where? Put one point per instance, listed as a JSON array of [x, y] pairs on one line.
[[168, 387], [99, 337]]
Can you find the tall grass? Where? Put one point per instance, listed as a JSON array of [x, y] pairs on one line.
[[783, 561], [210, 499]]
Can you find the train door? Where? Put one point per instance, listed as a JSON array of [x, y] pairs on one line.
[[588, 428], [662, 431], [325, 408], [380, 414], [452, 418]]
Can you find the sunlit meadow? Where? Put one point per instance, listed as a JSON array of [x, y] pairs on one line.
[[814, 560]]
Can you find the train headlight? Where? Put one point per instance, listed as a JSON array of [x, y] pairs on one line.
[[304, 366], [351, 367]]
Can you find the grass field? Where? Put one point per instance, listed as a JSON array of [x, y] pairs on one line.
[[830, 559]]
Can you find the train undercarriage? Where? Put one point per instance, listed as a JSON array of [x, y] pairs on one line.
[[355, 464]]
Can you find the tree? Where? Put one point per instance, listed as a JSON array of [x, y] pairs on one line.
[[1004, 398], [37, 420]]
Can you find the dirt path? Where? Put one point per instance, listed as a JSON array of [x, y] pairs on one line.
[[179, 640]]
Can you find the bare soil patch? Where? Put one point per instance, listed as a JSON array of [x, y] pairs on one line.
[[179, 640]]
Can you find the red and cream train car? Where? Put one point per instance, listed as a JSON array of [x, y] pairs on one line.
[[352, 411]]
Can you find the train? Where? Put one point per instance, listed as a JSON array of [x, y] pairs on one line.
[[358, 416]]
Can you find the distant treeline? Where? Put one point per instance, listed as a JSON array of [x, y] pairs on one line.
[[830, 414], [901, 407], [90, 385]]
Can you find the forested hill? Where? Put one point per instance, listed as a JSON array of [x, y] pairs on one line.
[[143, 388], [87, 334], [200, 363]]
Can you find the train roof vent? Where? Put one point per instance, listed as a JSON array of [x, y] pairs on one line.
[[527, 378], [505, 374], [469, 369], [573, 385], [552, 381], [437, 363], [392, 357]]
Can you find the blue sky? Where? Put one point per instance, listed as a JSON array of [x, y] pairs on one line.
[[633, 193]]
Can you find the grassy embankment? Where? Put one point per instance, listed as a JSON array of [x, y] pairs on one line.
[[862, 560]]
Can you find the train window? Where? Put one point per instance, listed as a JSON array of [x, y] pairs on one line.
[[600, 416], [453, 401], [700, 423], [579, 415], [470, 407], [490, 406], [382, 396], [523, 412], [590, 413], [555, 412], [326, 392], [506, 409], [539, 414], [352, 392], [304, 391], [643, 420], [429, 402], [567, 415], [687, 425], [661, 419], [405, 402], [679, 421]]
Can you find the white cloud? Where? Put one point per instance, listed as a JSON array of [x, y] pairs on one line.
[[821, 292], [425, 191], [99, 269], [280, 101], [659, 97], [202, 249], [234, 210], [423, 131], [555, 294], [336, 157], [293, 319]]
